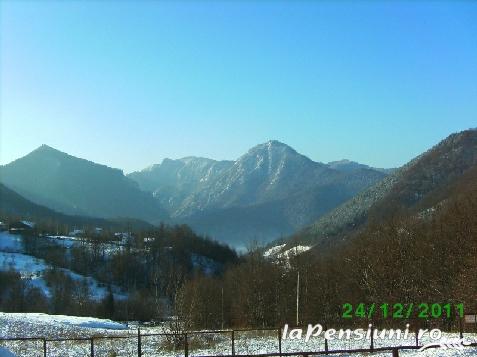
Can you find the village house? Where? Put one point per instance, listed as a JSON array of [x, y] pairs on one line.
[[21, 227]]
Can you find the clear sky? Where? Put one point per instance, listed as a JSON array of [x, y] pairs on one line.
[[129, 83]]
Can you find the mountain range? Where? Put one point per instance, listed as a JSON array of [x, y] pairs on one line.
[[268, 192]]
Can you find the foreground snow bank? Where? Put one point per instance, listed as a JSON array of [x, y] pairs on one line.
[[55, 320], [246, 342]]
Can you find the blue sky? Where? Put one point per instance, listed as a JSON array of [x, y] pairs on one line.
[[127, 84]]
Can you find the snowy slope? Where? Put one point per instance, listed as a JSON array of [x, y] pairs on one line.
[[33, 268], [29, 268], [12, 257]]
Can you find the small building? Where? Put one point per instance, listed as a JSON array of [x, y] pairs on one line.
[[21, 227], [123, 237], [149, 241], [76, 232]]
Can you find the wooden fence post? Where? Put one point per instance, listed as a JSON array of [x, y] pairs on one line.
[[44, 347], [461, 328], [325, 327], [326, 341], [233, 342], [186, 345], [92, 346], [372, 338], [417, 335], [395, 352], [280, 341], [139, 347]]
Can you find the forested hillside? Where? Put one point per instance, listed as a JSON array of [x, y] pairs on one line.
[[410, 256], [411, 186]]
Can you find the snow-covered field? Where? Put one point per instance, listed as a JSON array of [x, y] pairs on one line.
[[250, 342]]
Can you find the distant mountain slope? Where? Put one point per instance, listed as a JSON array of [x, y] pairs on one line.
[[408, 187], [350, 166], [75, 186], [268, 192], [15, 206], [173, 181], [11, 203], [267, 172]]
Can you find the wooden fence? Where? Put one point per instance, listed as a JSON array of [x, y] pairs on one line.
[[185, 338]]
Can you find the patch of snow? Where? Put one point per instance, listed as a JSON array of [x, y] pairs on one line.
[[287, 254], [273, 251], [29, 224]]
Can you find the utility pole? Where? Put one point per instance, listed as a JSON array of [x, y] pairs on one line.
[[222, 307], [298, 298]]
